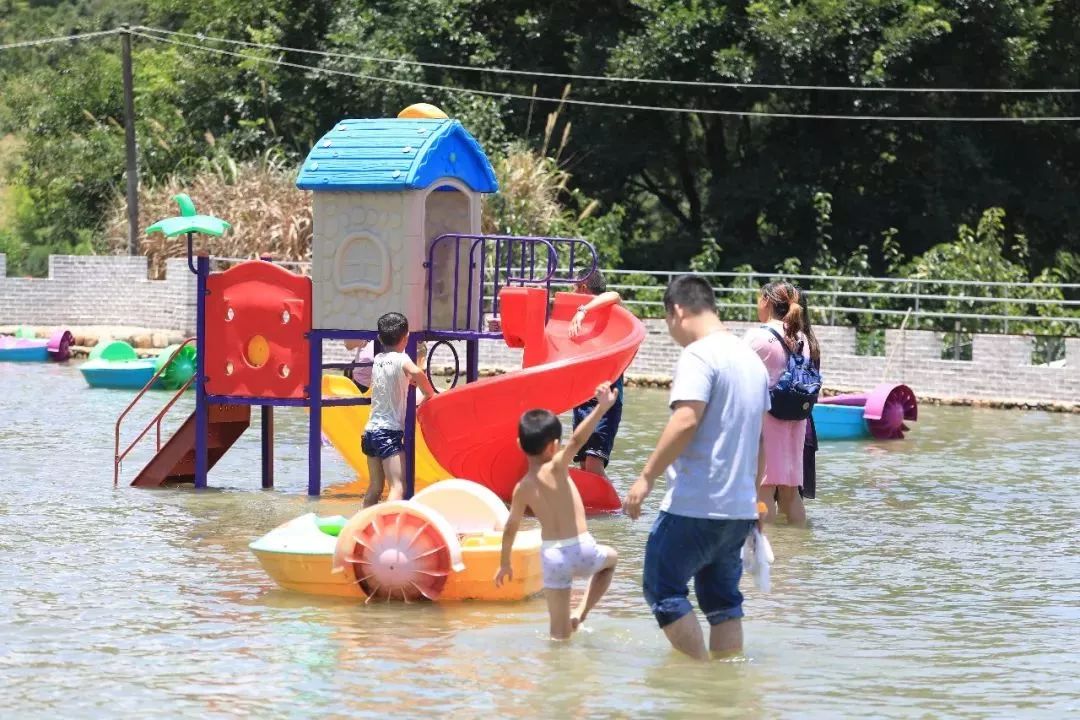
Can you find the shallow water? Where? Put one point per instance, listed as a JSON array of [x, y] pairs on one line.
[[939, 578]]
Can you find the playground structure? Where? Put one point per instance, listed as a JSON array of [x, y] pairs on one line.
[[25, 346], [882, 414], [396, 227]]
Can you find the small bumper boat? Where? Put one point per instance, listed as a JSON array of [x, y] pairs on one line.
[[117, 365], [443, 545], [23, 346], [881, 414]]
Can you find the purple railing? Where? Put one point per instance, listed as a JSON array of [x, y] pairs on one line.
[[492, 262]]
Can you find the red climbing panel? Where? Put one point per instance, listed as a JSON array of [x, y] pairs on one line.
[[257, 318]]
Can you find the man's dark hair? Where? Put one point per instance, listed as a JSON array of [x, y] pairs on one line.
[[393, 326], [693, 293], [595, 283], [537, 429]]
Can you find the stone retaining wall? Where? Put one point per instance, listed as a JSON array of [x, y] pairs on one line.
[[99, 290], [1000, 368]]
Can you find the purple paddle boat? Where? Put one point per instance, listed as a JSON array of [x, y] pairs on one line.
[[882, 413], [21, 348]]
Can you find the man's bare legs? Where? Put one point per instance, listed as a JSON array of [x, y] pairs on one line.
[[558, 602], [726, 639], [595, 465], [394, 467], [375, 481], [685, 636], [598, 585]]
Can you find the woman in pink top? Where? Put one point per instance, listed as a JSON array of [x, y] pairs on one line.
[[779, 311]]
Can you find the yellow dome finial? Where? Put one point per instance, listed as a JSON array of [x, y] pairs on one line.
[[423, 110]]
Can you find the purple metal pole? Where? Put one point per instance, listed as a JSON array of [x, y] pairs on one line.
[[410, 426], [480, 289], [524, 250], [267, 446], [202, 410], [428, 267], [509, 261], [496, 267], [314, 483], [457, 277], [472, 360]]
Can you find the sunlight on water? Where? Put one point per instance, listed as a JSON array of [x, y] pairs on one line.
[[940, 577]]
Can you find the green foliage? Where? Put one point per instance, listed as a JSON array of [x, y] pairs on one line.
[[986, 253], [659, 190]]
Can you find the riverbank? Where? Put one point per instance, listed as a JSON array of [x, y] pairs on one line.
[[659, 353], [146, 341], [664, 383]]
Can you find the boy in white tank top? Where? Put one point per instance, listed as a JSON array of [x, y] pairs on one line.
[[383, 441]]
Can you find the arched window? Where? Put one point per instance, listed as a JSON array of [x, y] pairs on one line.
[[362, 263]]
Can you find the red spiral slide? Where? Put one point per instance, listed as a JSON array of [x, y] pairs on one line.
[[472, 430]]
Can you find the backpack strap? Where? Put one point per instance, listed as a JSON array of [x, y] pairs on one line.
[[777, 335]]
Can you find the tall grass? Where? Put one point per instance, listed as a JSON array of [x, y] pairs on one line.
[[269, 215], [534, 187]]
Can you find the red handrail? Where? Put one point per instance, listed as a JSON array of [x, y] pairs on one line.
[[118, 457]]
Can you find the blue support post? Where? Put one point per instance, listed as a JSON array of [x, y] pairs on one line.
[[410, 426], [267, 447], [202, 409], [314, 486]]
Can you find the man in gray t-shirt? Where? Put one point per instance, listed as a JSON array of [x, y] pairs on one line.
[[711, 452]]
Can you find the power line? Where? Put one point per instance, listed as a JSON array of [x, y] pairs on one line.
[[607, 105], [615, 79], [60, 39]]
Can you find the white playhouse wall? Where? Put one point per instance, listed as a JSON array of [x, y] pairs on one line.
[[452, 212], [366, 259]]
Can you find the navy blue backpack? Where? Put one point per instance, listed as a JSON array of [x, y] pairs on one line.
[[796, 391]]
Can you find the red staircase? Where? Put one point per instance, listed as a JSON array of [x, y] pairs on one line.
[[175, 461]]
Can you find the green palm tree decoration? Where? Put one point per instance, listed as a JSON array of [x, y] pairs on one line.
[[189, 221]]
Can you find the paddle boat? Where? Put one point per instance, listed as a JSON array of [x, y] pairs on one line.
[[116, 364], [882, 414], [444, 544], [25, 346]]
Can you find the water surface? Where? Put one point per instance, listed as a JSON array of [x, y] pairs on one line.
[[939, 578]]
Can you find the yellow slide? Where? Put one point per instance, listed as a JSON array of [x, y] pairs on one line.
[[344, 425]]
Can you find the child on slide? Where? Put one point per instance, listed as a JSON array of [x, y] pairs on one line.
[[383, 441], [596, 453], [568, 549]]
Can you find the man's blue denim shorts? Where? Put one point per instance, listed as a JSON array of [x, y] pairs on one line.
[[707, 550], [382, 443]]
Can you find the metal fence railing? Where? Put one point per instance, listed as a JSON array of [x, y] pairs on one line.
[[948, 305], [962, 307]]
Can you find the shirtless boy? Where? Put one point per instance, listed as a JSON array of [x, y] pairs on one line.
[[569, 550]]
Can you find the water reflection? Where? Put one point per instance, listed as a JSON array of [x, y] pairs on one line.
[[938, 577]]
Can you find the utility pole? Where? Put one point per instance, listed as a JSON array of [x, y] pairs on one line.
[[129, 140]]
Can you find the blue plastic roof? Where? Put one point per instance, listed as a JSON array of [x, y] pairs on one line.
[[394, 155]]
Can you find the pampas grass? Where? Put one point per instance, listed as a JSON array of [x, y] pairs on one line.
[[269, 215]]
